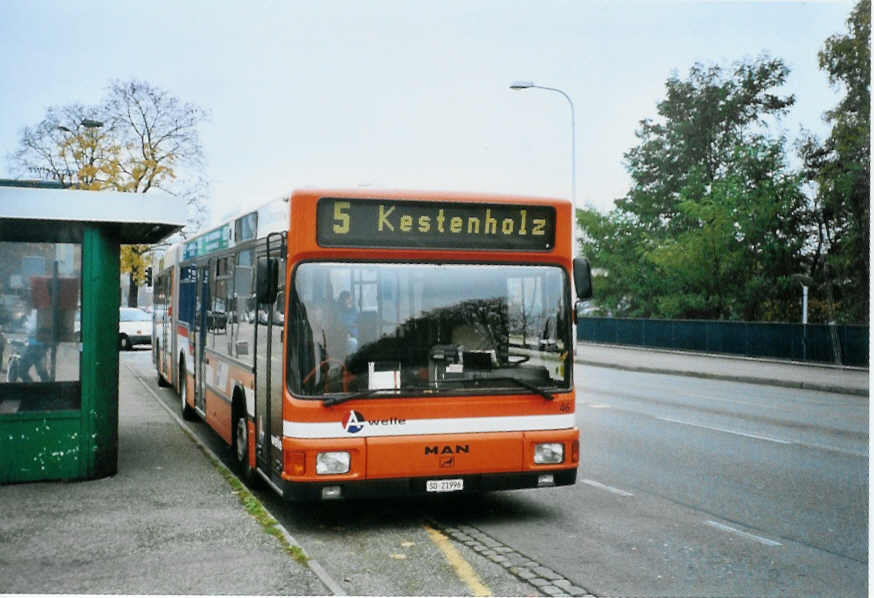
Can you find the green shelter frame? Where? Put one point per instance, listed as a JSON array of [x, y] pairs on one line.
[[59, 296]]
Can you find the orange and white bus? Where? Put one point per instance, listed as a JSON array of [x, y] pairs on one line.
[[350, 344]]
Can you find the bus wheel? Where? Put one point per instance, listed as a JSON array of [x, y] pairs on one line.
[[187, 411], [241, 448]]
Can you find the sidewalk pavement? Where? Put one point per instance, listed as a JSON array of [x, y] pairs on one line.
[[823, 377], [167, 523]]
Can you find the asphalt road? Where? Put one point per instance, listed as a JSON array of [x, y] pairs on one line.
[[687, 487]]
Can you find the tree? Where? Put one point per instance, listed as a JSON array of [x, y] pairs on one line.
[[158, 135], [738, 263], [703, 120], [61, 148], [713, 225], [840, 170], [148, 140]]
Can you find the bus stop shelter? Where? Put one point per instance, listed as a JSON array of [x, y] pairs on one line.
[[59, 302]]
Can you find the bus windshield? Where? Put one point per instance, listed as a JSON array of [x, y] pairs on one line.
[[367, 329]]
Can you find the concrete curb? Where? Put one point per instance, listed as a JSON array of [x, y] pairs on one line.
[[765, 381], [313, 564], [744, 379], [786, 362]]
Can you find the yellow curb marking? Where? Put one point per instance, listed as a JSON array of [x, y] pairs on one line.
[[462, 568]]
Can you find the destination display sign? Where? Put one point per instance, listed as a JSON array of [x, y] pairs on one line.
[[219, 238], [389, 223]]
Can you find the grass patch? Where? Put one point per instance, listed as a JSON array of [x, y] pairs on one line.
[[254, 507]]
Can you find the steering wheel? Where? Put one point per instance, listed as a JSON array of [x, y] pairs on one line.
[[345, 372]]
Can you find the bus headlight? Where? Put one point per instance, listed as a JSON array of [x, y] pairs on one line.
[[332, 463], [548, 453]]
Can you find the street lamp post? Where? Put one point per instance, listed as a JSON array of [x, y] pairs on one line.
[[805, 281], [530, 85]]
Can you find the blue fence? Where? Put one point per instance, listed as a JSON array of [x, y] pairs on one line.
[[796, 342]]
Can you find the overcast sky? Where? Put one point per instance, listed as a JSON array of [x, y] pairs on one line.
[[406, 94]]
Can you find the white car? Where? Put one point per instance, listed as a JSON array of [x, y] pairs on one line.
[[134, 327]]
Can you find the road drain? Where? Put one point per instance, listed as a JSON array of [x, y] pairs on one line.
[[544, 579]]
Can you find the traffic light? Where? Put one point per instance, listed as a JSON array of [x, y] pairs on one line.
[[148, 276]]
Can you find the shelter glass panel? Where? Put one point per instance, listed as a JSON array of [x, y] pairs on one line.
[[40, 326]]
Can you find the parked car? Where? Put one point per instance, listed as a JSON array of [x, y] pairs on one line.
[[134, 327]]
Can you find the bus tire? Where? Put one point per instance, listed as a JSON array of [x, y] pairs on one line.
[[187, 410], [240, 443]]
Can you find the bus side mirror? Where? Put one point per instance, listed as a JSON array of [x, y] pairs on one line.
[[582, 284], [582, 278], [267, 277]]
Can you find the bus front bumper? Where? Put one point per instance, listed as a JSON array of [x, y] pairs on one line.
[[418, 486]]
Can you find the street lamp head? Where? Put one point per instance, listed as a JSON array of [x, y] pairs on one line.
[[521, 84], [91, 124], [803, 279], [64, 129]]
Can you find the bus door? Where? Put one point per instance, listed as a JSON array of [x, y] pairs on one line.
[[201, 325], [167, 323], [268, 369]]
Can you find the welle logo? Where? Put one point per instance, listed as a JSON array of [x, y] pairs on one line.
[[354, 422]]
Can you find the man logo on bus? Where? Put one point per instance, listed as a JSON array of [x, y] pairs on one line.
[[353, 422]]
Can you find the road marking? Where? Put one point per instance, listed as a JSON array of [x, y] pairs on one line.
[[725, 430], [738, 532], [595, 484], [809, 445], [649, 397], [462, 568], [833, 449]]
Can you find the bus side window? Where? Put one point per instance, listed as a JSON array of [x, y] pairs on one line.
[[243, 306], [222, 325], [187, 293]]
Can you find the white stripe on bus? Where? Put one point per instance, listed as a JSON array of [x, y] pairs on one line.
[[456, 425]]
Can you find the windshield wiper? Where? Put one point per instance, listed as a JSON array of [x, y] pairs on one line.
[[336, 400], [524, 384]]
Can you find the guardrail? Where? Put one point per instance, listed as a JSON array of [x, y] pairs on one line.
[[843, 344]]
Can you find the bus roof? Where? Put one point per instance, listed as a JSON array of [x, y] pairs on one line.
[[372, 193]]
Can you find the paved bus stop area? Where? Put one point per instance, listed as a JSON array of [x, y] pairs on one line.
[[166, 523]]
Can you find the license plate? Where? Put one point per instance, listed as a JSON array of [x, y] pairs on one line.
[[444, 485]]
